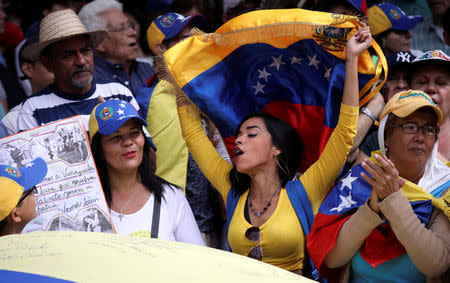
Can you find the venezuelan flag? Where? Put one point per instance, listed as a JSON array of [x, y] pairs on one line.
[[343, 200], [289, 63]]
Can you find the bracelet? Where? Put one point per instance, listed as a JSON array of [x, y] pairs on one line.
[[369, 114]]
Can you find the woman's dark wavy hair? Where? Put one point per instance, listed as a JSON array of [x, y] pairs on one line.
[[152, 182], [285, 138]]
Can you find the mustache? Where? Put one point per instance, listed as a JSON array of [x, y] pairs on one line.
[[81, 69]]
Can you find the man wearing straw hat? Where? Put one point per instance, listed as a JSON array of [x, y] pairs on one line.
[[65, 48]]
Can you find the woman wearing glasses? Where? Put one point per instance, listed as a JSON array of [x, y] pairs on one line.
[[396, 227], [268, 153]]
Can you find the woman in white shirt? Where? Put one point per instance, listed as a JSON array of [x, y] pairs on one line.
[[135, 195]]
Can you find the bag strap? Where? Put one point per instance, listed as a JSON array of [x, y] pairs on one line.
[[302, 206], [232, 201], [155, 218]]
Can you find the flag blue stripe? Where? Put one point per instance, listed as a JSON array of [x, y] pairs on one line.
[[254, 75]]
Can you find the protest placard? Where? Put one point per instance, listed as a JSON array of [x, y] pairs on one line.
[[70, 197]]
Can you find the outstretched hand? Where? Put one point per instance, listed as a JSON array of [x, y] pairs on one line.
[[360, 41]]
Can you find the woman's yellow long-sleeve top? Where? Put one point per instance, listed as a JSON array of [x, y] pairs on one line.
[[282, 237]]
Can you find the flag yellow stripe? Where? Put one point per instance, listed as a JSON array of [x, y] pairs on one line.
[[278, 28]]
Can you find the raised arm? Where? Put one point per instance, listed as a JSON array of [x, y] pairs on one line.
[[212, 165], [319, 177]]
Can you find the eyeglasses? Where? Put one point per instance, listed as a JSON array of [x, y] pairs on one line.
[[412, 128], [27, 194], [254, 234], [123, 27]]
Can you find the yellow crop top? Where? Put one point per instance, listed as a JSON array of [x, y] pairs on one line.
[[286, 251]]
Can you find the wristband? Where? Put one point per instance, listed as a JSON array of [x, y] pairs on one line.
[[369, 114]]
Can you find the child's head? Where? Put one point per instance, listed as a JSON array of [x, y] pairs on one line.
[[17, 188]]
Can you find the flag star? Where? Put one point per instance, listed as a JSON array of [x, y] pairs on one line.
[[327, 73], [314, 62], [180, 17], [258, 87], [347, 181], [122, 105], [29, 165], [120, 112], [263, 74], [277, 62], [347, 202], [295, 60]]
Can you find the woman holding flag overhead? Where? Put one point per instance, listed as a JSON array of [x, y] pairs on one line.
[[383, 227], [264, 214]]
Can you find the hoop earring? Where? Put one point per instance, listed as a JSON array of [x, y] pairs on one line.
[[236, 173], [281, 167]]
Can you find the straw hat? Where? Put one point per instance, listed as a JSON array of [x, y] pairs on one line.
[[57, 26]]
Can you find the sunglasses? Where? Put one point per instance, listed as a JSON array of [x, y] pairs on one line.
[[254, 234], [27, 194]]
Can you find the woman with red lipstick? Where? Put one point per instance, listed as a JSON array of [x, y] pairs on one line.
[[398, 203], [141, 203], [264, 224]]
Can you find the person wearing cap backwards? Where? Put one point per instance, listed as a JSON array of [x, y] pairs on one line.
[[65, 49], [174, 163], [431, 74], [391, 27], [416, 250], [156, 101], [17, 189], [115, 57], [141, 204]]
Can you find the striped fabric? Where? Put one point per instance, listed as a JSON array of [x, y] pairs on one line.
[[52, 104]]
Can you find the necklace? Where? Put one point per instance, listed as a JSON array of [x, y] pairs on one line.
[[126, 204], [259, 213]]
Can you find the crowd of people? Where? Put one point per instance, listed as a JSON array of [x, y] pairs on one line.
[[378, 193]]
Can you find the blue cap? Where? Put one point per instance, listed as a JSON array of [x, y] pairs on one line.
[[385, 16], [26, 176], [14, 182], [170, 25], [109, 116]]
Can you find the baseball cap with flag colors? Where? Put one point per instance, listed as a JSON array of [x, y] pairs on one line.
[[385, 16], [109, 116], [436, 56], [406, 102], [170, 25], [16, 181]]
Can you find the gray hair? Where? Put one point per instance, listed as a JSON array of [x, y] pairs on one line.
[[89, 14]]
